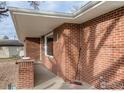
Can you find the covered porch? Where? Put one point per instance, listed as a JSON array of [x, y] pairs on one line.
[[86, 47]]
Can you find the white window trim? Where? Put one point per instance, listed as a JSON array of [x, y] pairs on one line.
[[46, 44]]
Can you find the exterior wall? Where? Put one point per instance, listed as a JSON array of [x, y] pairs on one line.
[[16, 51], [92, 52], [65, 51], [4, 52], [99, 53], [102, 50], [32, 47], [11, 51]]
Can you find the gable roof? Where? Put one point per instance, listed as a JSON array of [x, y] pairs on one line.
[[10, 43]]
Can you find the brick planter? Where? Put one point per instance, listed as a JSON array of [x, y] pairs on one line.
[[25, 74]]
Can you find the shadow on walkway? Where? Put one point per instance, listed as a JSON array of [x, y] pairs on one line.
[[45, 79]]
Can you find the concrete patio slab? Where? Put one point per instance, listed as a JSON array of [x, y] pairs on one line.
[[44, 79]]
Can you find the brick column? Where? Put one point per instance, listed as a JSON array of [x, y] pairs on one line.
[[25, 74]]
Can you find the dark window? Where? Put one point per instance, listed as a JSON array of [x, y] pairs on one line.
[[49, 45]]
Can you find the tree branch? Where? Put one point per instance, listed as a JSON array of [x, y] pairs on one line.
[[3, 11]]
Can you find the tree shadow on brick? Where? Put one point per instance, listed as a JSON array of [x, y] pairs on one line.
[[72, 46], [110, 72], [86, 67], [87, 62], [57, 58], [69, 41], [116, 85]]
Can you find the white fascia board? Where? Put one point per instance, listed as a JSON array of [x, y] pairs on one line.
[[20, 36], [89, 9], [56, 14], [39, 13], [86, 7]]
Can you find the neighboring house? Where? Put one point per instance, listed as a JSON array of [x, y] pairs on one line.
[[11, 48], [86, 46]]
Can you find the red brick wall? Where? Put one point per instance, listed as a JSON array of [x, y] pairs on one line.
[[102, 50], [25, 74], [65, 51], [33, 47], [95, 47]]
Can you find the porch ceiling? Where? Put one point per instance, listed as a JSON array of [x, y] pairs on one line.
[[30, 25], [35, 24]]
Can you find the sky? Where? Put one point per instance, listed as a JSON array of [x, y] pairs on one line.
[[6, 24]]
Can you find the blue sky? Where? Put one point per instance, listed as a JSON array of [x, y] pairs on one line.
[[6, 24]]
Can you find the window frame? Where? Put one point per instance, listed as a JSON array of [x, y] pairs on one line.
[[45, 45]]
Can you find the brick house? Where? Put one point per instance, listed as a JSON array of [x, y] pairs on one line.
[[87, 46]]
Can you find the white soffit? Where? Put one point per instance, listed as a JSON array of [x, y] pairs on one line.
[[35, 24]]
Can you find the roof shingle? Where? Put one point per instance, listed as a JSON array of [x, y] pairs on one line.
[[10, 43]]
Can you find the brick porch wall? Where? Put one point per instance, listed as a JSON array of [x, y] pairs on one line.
[[32, 47], [102, 50], [97, 45], [65, 51]]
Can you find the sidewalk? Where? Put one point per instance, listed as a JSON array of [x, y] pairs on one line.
[[44, 79]]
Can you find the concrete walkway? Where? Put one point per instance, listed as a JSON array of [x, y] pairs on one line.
[[44, 79]]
